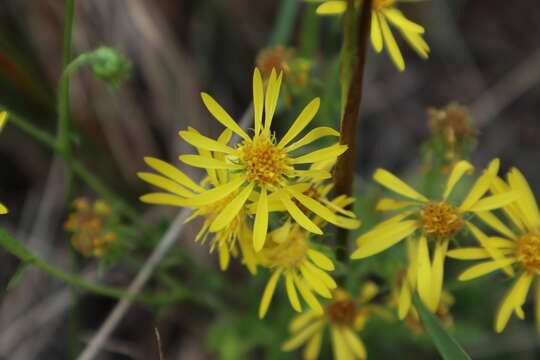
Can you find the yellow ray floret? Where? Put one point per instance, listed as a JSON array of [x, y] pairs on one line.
[[383, 14], [3, 119]]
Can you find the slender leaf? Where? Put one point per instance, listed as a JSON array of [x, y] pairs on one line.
[[447, 346], [18, 275]]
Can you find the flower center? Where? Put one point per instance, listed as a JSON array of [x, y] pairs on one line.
[[440, 219], [264, 161], [528, 252], [288, 253], [341, 311]]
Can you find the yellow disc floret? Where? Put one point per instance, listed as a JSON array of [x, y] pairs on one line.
[[383, 4], [264, 161], [341, 311], [440, 219], [288, 253], [528, 252]]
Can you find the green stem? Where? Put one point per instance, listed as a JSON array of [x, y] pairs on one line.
[[117, 203], [353, 66], [178, 293], [287, 13]]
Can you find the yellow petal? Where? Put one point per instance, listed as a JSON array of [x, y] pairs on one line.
[[391, 46], [513, 299], [417, 42], [313, 347], [217, 193], [332, 8], [260, 228], [340, 347], [404, 303], [326, 279], [495, 253], [393, 183], [258, 100], [172, 172], [208, 162], [222, 116], [376, 35], [204, 142], [232, 209], [272, 96], [485, 268], [424, 274], [468, 253], [526, 201], [457, 172], [387, 204], [311, 136], [437, 273], [223, 256], [268, 293], [302, 336], [495, 223], [480, 187], [164, 183], [301, 122], [315, 175], [354, 342], [291, 292], [297, 214], [3, 209], [308, 296], [316, 207], [495, 201], [397, 18], [314, 282], [163, 199], [3, 118], [511, 210], [321, 260], [301, 320], [329, 152], [382, 238]]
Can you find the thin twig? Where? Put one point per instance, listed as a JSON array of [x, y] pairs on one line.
[[512, 85]]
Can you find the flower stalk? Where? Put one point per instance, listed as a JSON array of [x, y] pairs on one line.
[[352, 62]]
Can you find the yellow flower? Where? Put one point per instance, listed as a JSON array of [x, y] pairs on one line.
[[405, 284], [344, 316], [517, 252], [91, 236], [437, 222], [180, 188], [289, 253], [383, 13], [259, 165], [3, 118]]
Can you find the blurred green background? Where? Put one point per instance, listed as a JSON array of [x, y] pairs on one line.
[[483, 54]]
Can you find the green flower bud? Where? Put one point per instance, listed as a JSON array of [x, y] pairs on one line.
[[110, 65]]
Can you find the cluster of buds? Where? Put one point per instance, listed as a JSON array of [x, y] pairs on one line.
[[89, 224], [453, 136]]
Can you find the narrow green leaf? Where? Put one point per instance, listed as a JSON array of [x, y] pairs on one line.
[[15, 247], [447, 346], [18, 275]]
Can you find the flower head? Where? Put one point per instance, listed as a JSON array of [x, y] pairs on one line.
[[428, 221], [344, 316], [180, 188], [289, 253], [384, 12], [260, 165], [516, 252], [3, 119], [91, 234]]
